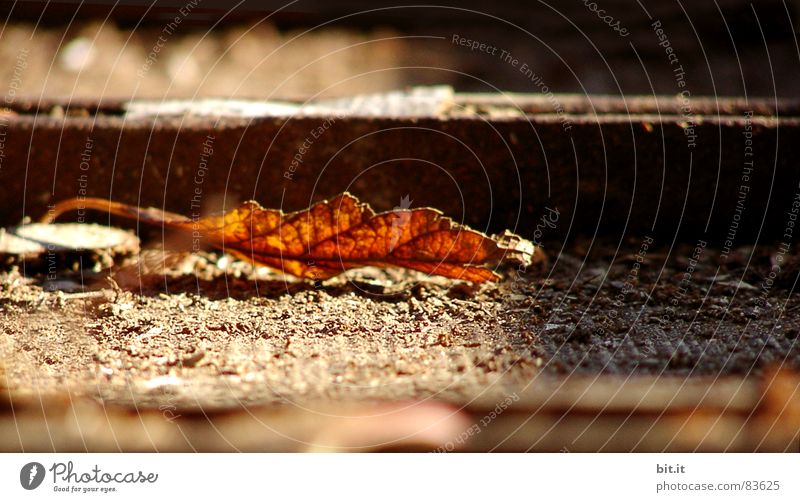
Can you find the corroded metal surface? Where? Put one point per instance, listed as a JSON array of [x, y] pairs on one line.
[[637, 166]]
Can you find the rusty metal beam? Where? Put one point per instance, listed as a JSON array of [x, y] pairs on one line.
[[611, 166]]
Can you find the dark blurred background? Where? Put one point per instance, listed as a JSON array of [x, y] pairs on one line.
[[272, 49]]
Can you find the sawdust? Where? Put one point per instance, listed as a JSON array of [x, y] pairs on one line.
[[215, 334]]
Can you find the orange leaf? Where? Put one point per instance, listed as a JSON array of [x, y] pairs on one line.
[[336, 235]]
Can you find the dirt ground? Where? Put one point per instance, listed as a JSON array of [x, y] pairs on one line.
[[211, 333]]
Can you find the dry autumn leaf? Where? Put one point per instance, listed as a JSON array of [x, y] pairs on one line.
[[336, 235]]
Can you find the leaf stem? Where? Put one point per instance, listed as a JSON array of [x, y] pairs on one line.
[[149, 215]]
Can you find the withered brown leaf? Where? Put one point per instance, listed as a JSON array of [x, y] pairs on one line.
[[336, 235]]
